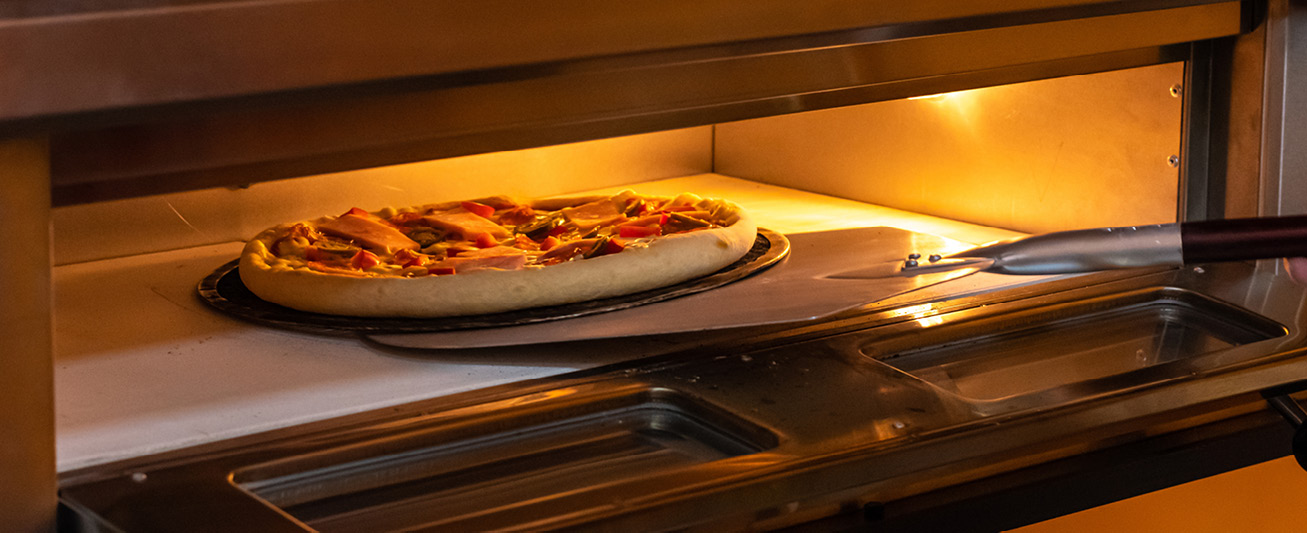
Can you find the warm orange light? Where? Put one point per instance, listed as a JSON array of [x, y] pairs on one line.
[[916, 311]]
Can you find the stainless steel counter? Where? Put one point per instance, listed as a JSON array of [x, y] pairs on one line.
[[769, 429]]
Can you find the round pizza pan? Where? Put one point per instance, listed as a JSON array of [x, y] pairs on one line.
[[224, 290]]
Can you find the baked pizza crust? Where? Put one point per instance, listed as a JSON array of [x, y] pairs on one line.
[[664, 261]]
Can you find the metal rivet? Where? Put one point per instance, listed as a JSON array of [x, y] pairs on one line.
[[139, 477], [1173, 160], [914, 255], [1177, 90], [935, 257], [910, 263]]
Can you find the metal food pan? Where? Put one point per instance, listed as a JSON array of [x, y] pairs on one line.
[[501, 472], [1077, 347]]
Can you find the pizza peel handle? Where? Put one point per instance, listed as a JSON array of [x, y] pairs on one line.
[[1091, 250], [1243, 239]]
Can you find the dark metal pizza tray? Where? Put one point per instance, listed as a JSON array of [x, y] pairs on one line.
[[224, 290]]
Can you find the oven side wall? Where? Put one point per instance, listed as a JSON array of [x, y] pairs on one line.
[[27, 491], [1079, 151]]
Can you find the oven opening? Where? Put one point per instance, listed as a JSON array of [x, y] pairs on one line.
[[847, 181]]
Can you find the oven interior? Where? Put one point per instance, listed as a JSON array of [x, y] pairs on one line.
[[881, 392]]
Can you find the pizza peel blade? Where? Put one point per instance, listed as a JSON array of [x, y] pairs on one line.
[[805, 286]]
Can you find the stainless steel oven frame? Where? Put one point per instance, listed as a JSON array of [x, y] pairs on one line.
[[116, 99]]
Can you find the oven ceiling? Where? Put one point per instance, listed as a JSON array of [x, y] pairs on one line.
[[142, 99]]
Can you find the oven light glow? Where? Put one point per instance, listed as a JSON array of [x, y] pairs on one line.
[[930, 321], [940, 97], [925, 314], [541, 396], [957, 108], [916, 311]]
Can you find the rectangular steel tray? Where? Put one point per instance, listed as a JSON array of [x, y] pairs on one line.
[[1061, 345]]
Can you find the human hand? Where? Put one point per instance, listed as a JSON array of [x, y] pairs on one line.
[[1297, 267]]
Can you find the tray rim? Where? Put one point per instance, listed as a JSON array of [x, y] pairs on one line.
[[269, 314]]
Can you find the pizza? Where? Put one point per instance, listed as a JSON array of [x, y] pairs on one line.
[[492, 254]]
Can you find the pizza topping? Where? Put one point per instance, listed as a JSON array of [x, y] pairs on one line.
[[635, 207], [502, 254], [517, 215], [569, 250], [408, 258], [676, 208], [364, 260], [500, 257], [326, 250], [333, 269], [490, 233], [635, 232], [684, 221], [540, 226], [426, 235], [466, 224], [604, 246], [649, 220], [481, 210], [594, 214], [294, 241], [370, 232]]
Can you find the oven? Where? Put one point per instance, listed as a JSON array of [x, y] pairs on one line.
[[142, 142]]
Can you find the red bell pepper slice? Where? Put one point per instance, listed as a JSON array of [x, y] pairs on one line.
[[549, 243], [408, 258], [635, 232], [612, 247], [440, 271], [364, 260], [484, 240], [481, 210]]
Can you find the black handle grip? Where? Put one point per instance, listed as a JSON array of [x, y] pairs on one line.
[[1279, 399], [1300, 446], [1243, 238]]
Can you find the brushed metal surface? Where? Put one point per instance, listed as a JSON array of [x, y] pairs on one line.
[[1282, 189], [27, 471], [279, 130], [1034, 157], [71, 57], [1086, 250], [846, 425]]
